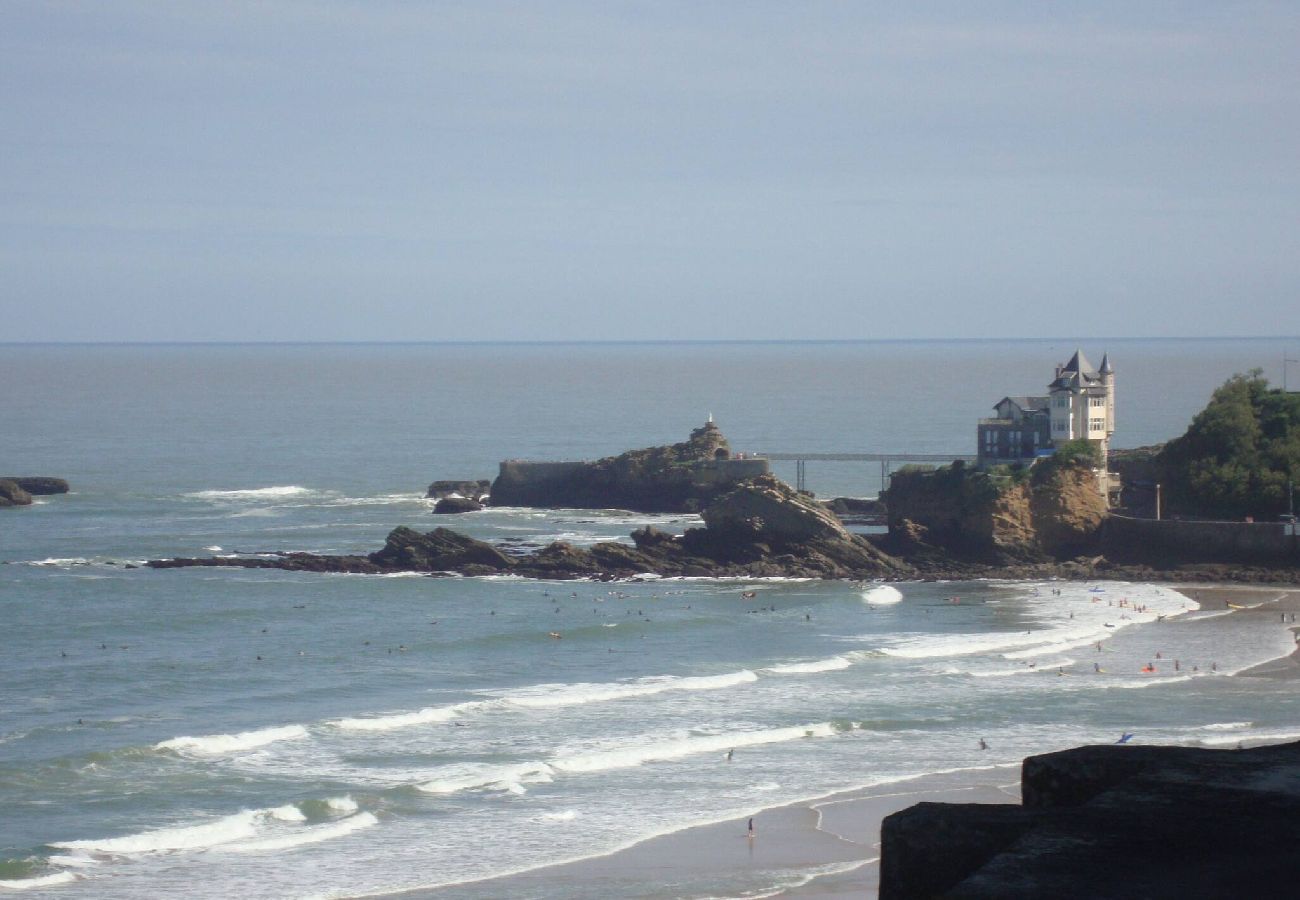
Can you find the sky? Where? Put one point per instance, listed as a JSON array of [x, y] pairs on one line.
[[381, 170]]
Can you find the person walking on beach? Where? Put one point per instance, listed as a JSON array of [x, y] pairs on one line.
[[751, 828]]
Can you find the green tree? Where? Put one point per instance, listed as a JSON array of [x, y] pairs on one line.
[[1238, 454]]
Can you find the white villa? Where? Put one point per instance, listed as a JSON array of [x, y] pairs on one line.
[[1080, 403]]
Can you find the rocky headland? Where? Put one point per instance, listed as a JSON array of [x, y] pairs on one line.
[[760, 528], [17, 490], [683, 477], [1111, 821]]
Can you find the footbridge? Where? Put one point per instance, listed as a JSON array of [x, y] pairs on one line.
[[886, 460]]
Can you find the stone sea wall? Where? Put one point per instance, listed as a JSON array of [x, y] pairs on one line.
[[1126, 538]]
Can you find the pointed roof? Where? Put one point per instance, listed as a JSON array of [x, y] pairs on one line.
[[1077, 371], [1079, 363], [1105, 365]]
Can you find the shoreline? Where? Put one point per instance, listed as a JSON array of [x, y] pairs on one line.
[[825, 847]]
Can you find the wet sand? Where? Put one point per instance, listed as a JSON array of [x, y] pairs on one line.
[[828, 847]]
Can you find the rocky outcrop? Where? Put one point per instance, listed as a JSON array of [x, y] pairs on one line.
[[760, 528], [11, 494], [1111, 821], [681, 477], [473, 490], [38, 485], [1052, 512], [449, 505]]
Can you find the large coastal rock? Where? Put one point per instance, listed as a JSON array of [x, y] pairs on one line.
[[1111, 821], [38, 485], [1053, 512], [682, 477], [451, 505], [759, 528], [472, 490], [11, 494]]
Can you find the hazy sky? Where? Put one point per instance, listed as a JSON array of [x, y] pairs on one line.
[[378, 170]]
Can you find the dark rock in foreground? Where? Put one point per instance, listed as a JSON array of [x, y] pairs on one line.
[[38, 484], [11, 494], [1115, 822], [762, 528]]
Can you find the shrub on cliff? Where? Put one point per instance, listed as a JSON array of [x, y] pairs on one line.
[[1238, 454]]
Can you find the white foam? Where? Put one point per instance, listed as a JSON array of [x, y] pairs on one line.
[[291, 490], [1256, 737], [287, 813], [547, 696], [216, 744], [478, 776], [677, 748], [884, 595], [187, 837], [567, 816], [428, 716], [305, 836], [811, 668], [60, 561], [343, 804], [213, 549], [40, 881], [1226, 726]]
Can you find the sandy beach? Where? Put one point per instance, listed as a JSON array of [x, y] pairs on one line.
[[829, 847]]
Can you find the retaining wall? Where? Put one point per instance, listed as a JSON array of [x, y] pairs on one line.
[[1246, 542]]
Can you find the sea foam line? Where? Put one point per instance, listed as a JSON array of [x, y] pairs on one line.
[[663, 751], [549, 696], [40, 881], [291, 490], [217, 744], [256, 829]]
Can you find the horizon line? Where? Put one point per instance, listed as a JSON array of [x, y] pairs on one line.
[[635, 341]]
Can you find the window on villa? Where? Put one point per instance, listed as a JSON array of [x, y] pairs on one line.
[[1097, 401], [1096, 424]]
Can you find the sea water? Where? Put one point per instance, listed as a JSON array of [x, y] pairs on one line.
[[210, 733]]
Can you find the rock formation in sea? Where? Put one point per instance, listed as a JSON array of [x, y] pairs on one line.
[[473, 490], [449, 505], [761, 527], [682, 477], [38, 484], [11, 494], [1111, 821]]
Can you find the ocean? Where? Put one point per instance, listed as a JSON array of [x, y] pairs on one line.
[[218, 733]]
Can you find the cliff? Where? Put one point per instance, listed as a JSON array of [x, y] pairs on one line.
[[1053, 512], [682, 477], [1111, 821], [760, 528]]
